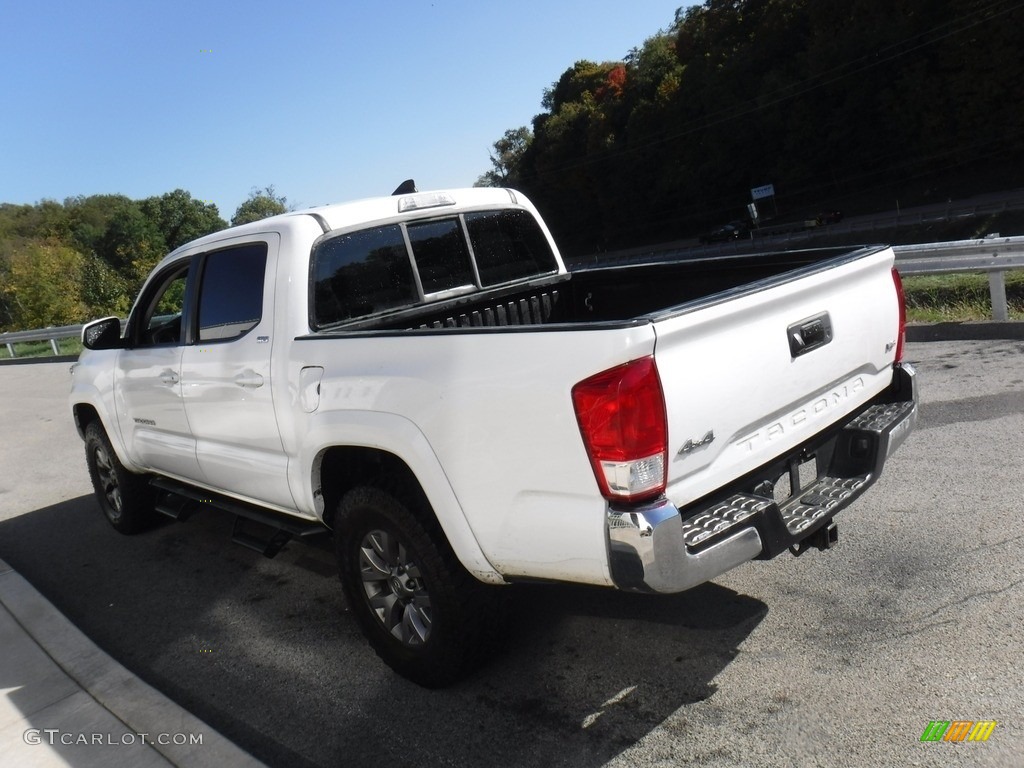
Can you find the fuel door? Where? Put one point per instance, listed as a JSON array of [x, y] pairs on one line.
[[309, 387]]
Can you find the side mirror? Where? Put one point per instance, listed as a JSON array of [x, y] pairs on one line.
[[102, 334]]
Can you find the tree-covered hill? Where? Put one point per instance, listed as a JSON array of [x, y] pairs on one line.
[[64, 263], [837, 104]]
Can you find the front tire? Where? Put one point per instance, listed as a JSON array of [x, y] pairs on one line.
[[127, 499], [423, 614]]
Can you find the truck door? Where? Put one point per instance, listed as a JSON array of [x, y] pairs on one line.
[[226, 373], [147, 383]]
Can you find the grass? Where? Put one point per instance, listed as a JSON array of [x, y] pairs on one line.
[[41, 349], [957, 298]]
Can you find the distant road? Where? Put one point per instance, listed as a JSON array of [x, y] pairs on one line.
[[790, 235], [833, 659]]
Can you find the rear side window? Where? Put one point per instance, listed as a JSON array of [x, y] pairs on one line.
[[359, 274], [508, 245], [231, 294]]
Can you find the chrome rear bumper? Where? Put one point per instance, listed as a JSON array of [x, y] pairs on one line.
[[660, 548]]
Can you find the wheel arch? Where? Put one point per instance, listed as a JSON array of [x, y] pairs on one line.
[[85, 414], [340, 468]]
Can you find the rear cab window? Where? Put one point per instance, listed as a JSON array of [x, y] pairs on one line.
[[394, 266]]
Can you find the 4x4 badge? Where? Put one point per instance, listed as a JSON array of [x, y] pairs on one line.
[[691, 445]]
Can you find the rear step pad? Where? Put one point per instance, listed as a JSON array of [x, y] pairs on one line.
[[808, 507], [179, 501]]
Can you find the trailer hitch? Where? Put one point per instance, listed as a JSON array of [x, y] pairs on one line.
[[824, 538]]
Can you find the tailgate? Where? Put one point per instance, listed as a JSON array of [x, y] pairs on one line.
[[752, 373]]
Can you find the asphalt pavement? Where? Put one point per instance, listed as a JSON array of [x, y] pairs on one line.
[[66, 702]]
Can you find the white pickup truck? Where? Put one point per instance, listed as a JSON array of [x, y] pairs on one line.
[[421, 375]]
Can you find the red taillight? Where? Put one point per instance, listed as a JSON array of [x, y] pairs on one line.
[[903, 315], [621, 413]]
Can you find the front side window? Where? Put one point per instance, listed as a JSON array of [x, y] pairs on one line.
[[231, 293], [361, 273], [161, 320]]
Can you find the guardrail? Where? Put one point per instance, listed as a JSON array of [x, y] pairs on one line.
[[992, 255], [52, 335]]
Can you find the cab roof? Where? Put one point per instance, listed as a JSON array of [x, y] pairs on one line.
[[356, 213]]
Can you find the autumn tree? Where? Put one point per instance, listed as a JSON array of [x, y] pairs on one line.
[[861, 101]]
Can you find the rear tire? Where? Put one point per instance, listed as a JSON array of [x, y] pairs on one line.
[[126, 498], [423, 614]]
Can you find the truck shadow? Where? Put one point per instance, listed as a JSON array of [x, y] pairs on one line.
[[266, 652]]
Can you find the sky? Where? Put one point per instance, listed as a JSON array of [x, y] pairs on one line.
[[326, 101]]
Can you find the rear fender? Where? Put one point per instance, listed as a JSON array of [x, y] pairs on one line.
[[398, 436]]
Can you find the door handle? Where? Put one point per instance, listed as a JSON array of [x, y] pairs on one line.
[[249, 379], [169, 377], [809, 334]]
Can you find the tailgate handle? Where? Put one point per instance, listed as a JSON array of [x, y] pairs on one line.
[[809, 334]]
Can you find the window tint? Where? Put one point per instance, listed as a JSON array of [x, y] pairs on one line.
[[361, 273], [231, 295], [161, 323], [441, 255], [508, 245]]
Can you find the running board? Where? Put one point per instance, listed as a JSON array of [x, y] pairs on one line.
[[272, 530]]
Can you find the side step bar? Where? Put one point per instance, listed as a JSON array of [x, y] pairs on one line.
[[178, 501]]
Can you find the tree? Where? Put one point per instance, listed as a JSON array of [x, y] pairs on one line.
[[506, 157], [40, 286], [103, 290], [261, 204], [865, 99], [89, 217], [132, 245], [46, 220], [180, 218]]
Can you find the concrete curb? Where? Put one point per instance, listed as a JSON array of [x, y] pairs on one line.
[[967, 331], [111, 690]]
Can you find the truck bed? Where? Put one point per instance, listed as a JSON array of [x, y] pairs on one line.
[[619, 295]]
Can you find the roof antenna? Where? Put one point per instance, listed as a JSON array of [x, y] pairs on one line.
[[406, 187]]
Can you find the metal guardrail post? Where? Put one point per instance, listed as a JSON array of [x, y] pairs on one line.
[[10, 350], [997, 290]]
